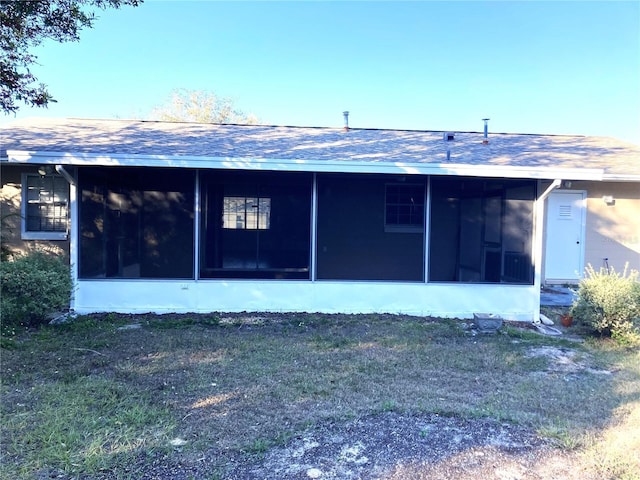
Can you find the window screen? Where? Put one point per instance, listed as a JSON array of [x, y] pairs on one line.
[[354, 238], [136, 223], [255, 225], [481, 230]]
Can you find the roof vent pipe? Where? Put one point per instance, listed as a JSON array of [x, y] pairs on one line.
[[485, 141], [346, 120]]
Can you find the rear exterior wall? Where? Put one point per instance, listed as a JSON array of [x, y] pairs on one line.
[[612, 228], [11, 217]]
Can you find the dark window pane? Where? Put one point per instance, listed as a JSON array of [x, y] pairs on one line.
[[481, 230], [403, 218], [136, 223]]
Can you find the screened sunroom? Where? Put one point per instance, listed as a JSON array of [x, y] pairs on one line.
[[166, 223]]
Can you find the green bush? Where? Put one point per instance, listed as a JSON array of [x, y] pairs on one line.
[[33, 286], [609, 302]]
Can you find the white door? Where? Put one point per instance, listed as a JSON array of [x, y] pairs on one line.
[[564, 251]]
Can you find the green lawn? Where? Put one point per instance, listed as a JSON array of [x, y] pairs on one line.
[[89, 396]]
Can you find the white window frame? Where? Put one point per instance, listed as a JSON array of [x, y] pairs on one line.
[[41, 234]]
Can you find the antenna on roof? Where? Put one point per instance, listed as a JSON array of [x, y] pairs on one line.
[[346, 120]]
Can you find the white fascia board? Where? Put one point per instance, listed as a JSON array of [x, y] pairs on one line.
[[538, 173], [621, 178], [302, 165]]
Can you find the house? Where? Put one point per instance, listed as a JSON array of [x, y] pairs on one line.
[[182, 217]]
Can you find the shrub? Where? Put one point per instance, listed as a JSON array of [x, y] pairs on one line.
[[609, 302], [33, 286]]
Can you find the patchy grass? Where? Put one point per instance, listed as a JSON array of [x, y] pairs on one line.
[[81, 424], [90, 397]]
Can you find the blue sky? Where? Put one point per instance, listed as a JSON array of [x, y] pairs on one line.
[[532, 67]]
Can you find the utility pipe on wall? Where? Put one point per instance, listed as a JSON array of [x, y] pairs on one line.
[[68, 177], [555, 184]]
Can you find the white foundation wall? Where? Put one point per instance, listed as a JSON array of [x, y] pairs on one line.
[[512, 302]]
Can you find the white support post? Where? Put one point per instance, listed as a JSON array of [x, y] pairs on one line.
[[539, 240]]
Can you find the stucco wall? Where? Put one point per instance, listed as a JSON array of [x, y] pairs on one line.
[[452, 300], [10, 198], [612, 230]]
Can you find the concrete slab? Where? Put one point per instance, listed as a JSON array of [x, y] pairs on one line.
[[556, 296]]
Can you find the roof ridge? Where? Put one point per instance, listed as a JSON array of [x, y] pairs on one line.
[[307, 127]]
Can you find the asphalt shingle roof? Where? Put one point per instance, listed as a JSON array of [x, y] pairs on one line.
[[317, 144]]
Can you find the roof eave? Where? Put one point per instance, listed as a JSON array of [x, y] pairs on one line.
[[308, 165], [614, 177]]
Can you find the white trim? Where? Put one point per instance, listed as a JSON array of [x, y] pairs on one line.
[[197, 218], [313, 270], [427, 230], [53, 236], [539, 223], [320, 166], [613, 177], [74, 233]]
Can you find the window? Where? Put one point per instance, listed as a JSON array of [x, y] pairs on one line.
[[45, 207], [255, 225], [358, 220], [404, 208], [246, 213], [481, 230], [136, 222]]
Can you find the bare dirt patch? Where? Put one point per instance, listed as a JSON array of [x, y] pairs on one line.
[[566, 360], [386, 446], [394, 446]]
